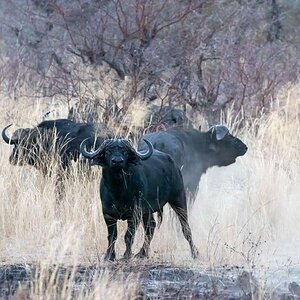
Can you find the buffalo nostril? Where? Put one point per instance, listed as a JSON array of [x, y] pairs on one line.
[[117, 160], [243, 150]]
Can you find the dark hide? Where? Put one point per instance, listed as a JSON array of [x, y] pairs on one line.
[[52, 141], [132, 188], [194, 151]]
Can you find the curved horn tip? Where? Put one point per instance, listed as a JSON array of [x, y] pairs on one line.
[[5, 137], [83, 150], [146, 155]]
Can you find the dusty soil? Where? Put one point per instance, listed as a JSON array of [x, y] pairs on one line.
[[155, 281]]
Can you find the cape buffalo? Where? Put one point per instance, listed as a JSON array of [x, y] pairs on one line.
[[54, 141], [164, 117], [133, 186], [194, 151]]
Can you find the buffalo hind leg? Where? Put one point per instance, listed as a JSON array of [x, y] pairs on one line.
[[60, 191], [129, 236], [111, 224], [149, 225], [181, 212]]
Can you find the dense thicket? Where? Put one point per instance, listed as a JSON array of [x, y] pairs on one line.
[[103, 54]]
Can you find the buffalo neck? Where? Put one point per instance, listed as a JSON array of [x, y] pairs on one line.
[[207, 156], [116, 178]]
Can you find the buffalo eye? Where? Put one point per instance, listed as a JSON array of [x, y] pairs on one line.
[[125, 154], [108, 152], [213, 147], [228, 136]]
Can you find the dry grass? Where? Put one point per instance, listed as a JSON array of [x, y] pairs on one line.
[[245, 214]]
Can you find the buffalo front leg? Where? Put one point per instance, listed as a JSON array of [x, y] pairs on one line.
[[129, 236], [149, 225], [183, 219], [111, 224]]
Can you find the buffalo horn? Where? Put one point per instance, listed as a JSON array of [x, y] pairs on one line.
[[91, 155], [146, 155], [6, 138], [86, 153]]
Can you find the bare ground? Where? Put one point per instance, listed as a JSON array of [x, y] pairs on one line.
[[152, 281]]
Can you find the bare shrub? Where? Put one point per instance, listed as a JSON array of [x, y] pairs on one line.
[[104, 54]]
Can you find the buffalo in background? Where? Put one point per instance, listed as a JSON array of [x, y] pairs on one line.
[[165, 117], [52, 142], [195, 151], [159, 118], [135, 185]]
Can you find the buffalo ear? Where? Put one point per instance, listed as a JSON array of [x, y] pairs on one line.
[[218, 132], [98, 160], [21, 134], [133, 158]]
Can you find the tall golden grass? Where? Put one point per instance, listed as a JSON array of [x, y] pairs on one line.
[[245, 214]]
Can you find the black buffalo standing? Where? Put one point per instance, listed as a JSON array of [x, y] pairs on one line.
[[134, 186], [195, 151], [53, 142]]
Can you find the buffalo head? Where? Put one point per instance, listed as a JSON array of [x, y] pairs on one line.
[[224, 146], [166, 117], [25, 150], [116, 153]]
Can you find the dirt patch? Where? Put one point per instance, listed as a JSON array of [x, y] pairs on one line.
[[160, 281]]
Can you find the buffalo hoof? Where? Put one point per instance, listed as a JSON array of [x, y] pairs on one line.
[[110, 256], [127, 256], [195, 253], [142, 254]]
